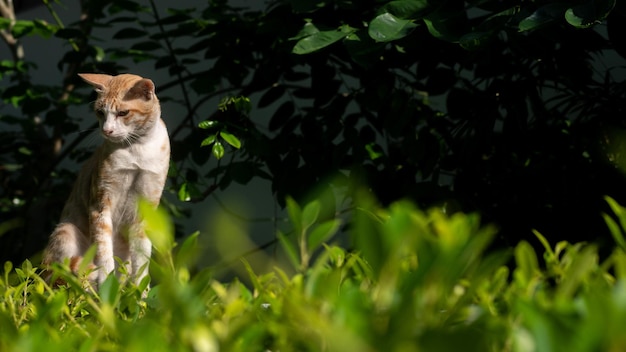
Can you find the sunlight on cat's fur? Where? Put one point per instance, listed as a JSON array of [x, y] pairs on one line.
[[131, 164]]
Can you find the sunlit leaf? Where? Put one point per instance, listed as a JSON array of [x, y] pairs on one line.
[[230, 139], [527, 263], [109, 290], [207, 124], [158, 226], [208, 140], [218, 150]]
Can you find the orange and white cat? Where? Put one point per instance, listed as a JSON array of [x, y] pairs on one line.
[[131, 164]]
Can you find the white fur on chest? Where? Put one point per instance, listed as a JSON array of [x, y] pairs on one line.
[[150, 155]]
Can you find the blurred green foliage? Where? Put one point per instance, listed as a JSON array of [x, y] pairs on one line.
[[413, 281], [509, 108]]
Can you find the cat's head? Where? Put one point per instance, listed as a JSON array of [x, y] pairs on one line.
[[127, 107]]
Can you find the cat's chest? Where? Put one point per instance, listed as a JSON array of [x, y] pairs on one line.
[[149, 156]]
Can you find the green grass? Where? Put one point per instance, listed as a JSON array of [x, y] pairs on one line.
[[414, 281]]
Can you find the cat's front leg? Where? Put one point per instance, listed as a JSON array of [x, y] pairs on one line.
[[101, 225], [140, 252]]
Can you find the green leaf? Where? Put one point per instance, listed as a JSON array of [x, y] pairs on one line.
[[158, 226], [208, 140], [543, 15], [549, 253], [109, 290], [475, 40], [321, 39], [86, 263], [410, 9], [374, 150], [527, 263], [294, 211], [590, 13], [615, 230], [207, 124], [583, 263], [290, 249], [183, 194], [230, 139], [310, 213], [322, 233], [448, 24], [188, 251], [363, 49], [218, 150], [300, 6], [387, 27], [21, 28]]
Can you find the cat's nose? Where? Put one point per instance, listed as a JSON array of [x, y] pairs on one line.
[[107, 132]]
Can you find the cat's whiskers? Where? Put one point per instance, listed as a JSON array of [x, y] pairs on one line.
[[131, 138]]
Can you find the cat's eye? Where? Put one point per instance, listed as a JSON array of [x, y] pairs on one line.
[[99, 113], [122, 113]]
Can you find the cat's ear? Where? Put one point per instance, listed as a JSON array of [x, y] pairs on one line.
[[97, 80], [143, 89]]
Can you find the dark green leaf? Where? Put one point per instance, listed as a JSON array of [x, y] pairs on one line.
[[21, 28], [590, 13], [300, 6], [475, 40], [448, 23], [411, 9], [295, 213], [129, 33], [544, 15], [321, 39], [322, 233], [387, 27], [363, 49], [290, 249], [310, 213]]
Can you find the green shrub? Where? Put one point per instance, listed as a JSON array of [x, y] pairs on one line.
[[413, 281]]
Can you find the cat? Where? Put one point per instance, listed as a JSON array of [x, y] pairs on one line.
[[131, 164]]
